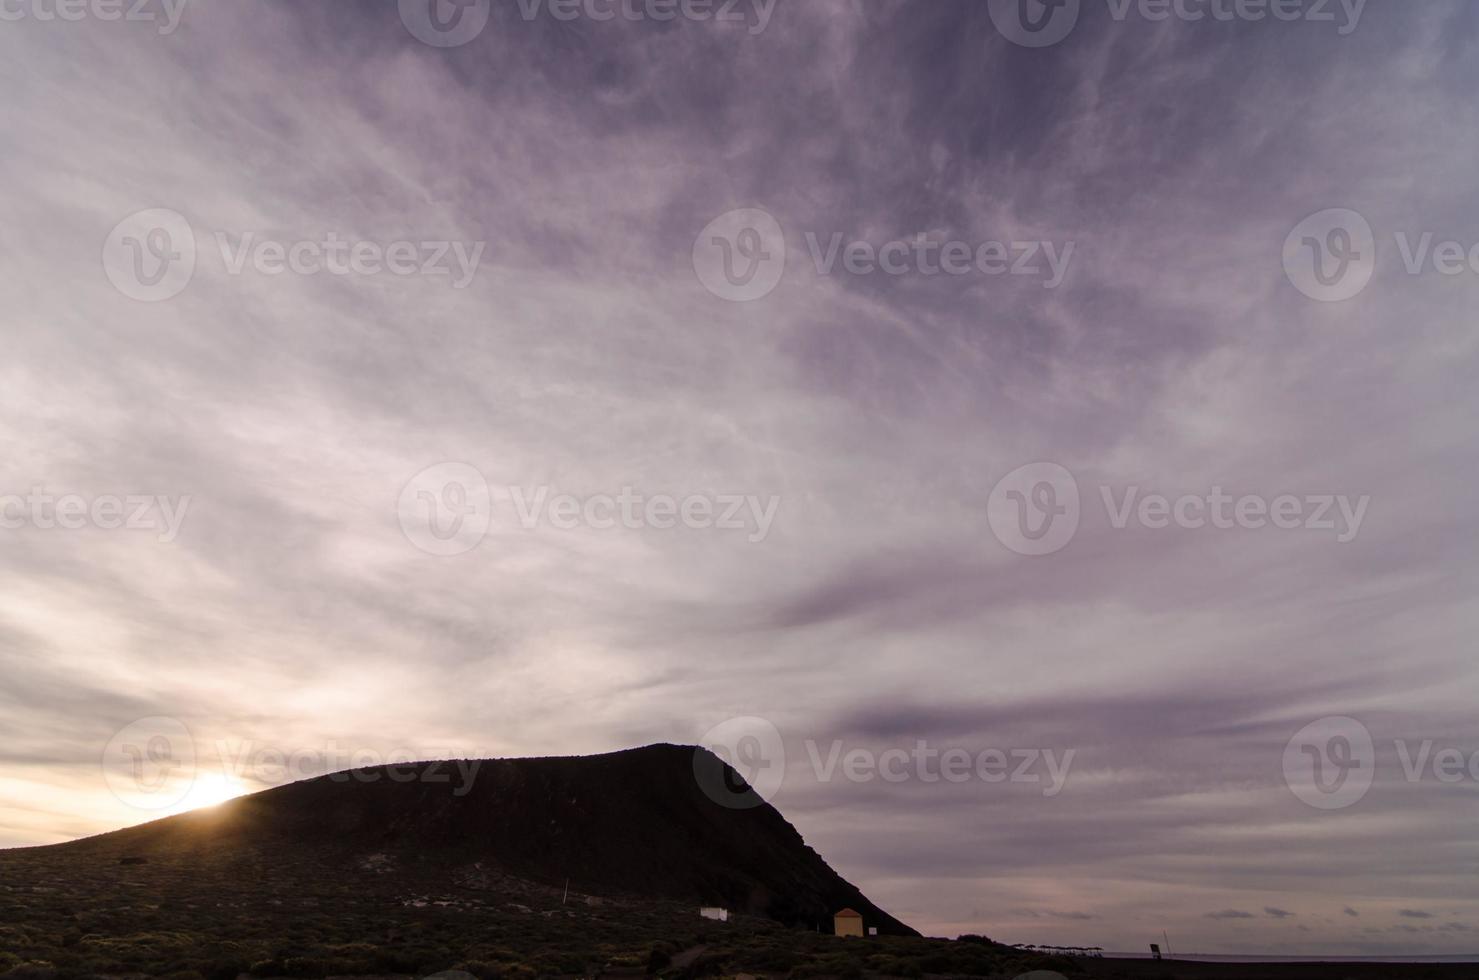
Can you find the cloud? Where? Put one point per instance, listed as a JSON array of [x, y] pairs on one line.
[[586, 356], [1275, 913], [1054, 914]]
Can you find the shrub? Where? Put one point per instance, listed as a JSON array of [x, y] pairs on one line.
[[225, 968], [774, 958]]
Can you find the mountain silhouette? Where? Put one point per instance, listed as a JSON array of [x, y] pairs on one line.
[[662, 822]]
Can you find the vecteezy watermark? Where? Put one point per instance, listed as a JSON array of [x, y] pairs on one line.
[[753, 749], [152, 255], [1034, 23], [156, 763], [1331, 764], [269, 765], [921, 763], [1043, 23], [108, 512], [453, 23], [342, 257], [633, 511], [166, 13], [150, 764], [754, 14], [1036, 509], [741, 256], [445, 23], [749, 747], [926, 257], [1249, 512], [446, 510], [1331, 255]]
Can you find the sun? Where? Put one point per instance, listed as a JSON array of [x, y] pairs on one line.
[[211, 789]]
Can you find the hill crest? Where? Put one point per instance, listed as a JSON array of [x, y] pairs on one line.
[[660, 822]]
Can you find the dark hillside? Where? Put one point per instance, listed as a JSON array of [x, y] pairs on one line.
[[636, 823]]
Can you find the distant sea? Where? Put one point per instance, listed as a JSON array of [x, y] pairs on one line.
[[1254, 958]]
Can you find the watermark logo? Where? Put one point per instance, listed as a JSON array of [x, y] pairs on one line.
[[150, 764], [1034, 23], [928, 257], [248, 761], [923, 763], [445, 23], [168, 16], [1447, 258], [658, 11], [446, 509], [749, 746], [1034, 510], [339, 256], [1043, 23], [1247, 11], [107, 512], [1330, 256], [156, 764], [754, 749], [635, 511], [740, 255], [1287, 512], [1330, 764], [150, 255]]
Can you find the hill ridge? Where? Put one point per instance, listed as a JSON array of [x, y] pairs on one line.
[[661, 821]]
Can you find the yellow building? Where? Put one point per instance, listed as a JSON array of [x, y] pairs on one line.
[[847, 923]]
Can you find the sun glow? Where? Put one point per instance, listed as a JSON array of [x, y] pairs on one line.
[[210, 789]]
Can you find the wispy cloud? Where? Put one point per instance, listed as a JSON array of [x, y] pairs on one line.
[[585, 355]]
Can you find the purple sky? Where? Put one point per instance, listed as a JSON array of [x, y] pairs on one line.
[[880, 607]]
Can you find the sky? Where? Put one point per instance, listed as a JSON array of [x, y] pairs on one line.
[[837, 383]]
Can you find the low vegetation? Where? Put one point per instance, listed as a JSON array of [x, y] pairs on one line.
[[221, 914]]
